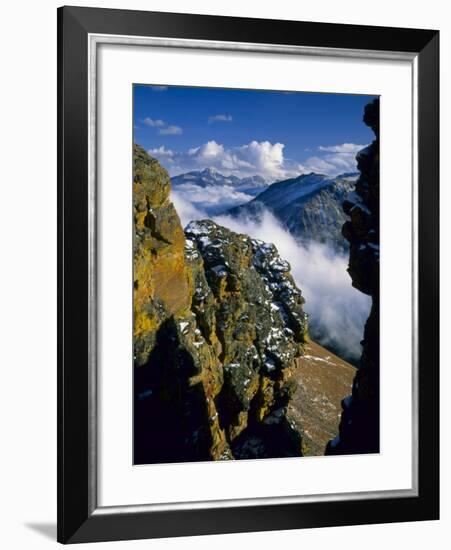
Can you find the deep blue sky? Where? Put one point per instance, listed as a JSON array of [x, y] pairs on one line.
[[301, 121]]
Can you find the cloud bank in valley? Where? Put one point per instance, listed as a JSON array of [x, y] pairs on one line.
[[206, 200], [261, 158], [337, 310]]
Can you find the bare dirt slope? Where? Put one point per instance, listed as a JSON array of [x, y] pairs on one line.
[[323, 381]]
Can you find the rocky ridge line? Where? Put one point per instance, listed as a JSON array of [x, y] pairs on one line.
[[308, 206]]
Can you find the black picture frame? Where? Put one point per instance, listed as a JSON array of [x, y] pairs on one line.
[[79, 519]]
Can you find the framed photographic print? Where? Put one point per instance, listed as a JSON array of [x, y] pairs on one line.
[[248, 274]]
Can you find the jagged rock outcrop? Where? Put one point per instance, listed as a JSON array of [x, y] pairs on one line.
[[218, 328], [359, 427]]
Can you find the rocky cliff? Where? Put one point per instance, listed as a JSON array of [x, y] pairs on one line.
[[218, 329], [359, 427]]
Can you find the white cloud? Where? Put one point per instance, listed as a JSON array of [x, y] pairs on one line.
[[171, 131], [163, 127], [219, 118], [343, 148], [159, 88], [263, 158], [332, 159], [153, 122], [209, 151], [162, 152]]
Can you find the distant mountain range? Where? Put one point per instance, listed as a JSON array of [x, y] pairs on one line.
[[309, 206], [252, 185]]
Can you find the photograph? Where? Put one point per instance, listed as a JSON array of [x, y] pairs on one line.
[[255, 274]]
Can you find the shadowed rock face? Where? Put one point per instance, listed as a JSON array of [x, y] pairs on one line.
[[218, 329], [359, 427]]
